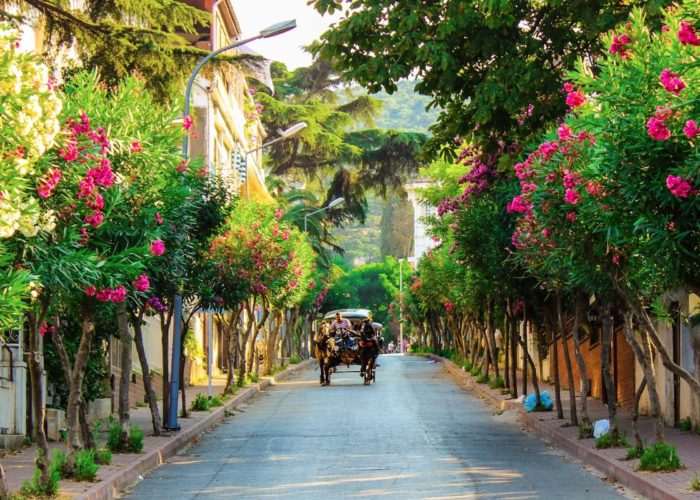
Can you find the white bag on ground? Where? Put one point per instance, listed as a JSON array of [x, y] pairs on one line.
[[601, 427]]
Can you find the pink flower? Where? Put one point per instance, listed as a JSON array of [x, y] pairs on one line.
[[691, 129], [575, 98], [571, 196], [159, 218], [49, 182], [285, 234], [104, 295], [671, 81], [182, 166], [519, 204], [90, 290], [657, 129], [568, 87], [593, 188], [546, 232], [278, 213], [571, 216], [564, 132], [136, 147], [142, 283], [619, 45], [687, 35], [678, 186], [69, 153], [672, 226], [187, 122], [616, 259], [118, 294], [157, 247], [448, 306], [95, 218]]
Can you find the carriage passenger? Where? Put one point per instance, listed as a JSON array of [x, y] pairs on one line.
[[340, 324]]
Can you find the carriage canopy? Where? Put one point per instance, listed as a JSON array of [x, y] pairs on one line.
[[354, 315]]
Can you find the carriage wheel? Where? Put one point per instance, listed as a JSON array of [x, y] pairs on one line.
[[374, 376]]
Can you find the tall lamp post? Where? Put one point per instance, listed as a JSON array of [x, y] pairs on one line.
[[283, 136], [332, 204], [274, 30]]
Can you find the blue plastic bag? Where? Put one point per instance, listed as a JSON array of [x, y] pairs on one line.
[[545, 401]]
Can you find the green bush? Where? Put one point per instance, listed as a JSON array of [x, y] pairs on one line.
[[475, 371], [85, 466], [695, 483], [610, 440], [467, 366], [685, 425], [634, 452], [200, 403], [497, 383], [295, 359], [215, 401], [447, 353], [482, 379], [134, 442], [252, 378], [103, 457], [34, 487], [660, 457]]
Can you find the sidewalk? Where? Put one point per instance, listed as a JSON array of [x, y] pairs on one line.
[[127, 468], [655, 485]]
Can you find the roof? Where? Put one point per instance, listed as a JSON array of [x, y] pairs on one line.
[[349, 313]]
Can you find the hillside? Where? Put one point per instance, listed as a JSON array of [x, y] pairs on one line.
[[405, 109]]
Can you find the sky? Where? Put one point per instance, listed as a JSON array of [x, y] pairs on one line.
[[255, 15]]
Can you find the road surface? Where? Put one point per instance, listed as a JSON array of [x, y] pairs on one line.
[[413, 434]]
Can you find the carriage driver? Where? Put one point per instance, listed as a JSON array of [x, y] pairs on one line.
[[340, 324]]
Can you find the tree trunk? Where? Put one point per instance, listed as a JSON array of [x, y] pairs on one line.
[[244, 345], [642, 352], [165, 320], [271, 343], [124, 377], [526, 355], [639, 442], [580, 362], [75, 394], [605, 346], [38, 410], [4, 491], [231, 336], [528, 359], [555, 364], [490, 336], [85, 430], [567, 361], [506, 352], [146, 371], [514, 353]]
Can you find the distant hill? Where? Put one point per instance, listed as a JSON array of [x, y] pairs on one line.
[[405, 109]]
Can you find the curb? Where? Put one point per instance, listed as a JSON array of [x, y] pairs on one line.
[[622, 475], [110, 486]]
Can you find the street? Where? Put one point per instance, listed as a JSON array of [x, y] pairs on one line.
[[413, 434]]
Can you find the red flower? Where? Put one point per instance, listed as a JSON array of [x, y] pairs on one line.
[[691, 129], [187, 122], [136, 147], [142, 283], [687, 35], [90, 290]]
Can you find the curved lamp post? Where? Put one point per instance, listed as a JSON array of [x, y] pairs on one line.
[[332, 204], [274, 30]]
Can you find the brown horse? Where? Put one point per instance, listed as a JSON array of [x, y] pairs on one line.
[[369, 351], [326, 352]]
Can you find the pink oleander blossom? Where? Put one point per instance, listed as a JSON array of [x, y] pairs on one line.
[[448, 305], [571, 196], [118, 294], [687, 35], [187, 122], [519, 205], [48, 182], [278, 213], [563, 132], [142, 283], [571, 216], [95, 218], [157, 248], [104, 295], [136, 147], [546, 232], [671, 81], [678, 186], [619, 45], [575, 98], [90, 290], [616, 259], [657, 129], [159, 218], [691, 129]]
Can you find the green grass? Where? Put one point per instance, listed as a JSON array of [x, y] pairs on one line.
[[695, 483], [610, 440], [134, 442], [497, 383], [200, 403], [634, 452], [482, 379], [685, 425], [295, 359], [660, 457]]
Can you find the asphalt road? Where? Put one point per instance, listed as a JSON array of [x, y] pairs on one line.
[[413, 434]]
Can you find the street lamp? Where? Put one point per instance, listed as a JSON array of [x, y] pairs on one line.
[[332, 204], [270, 31], [401, 305], [285, 134]]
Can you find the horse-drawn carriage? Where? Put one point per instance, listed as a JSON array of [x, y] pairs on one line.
[[351, 342]]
